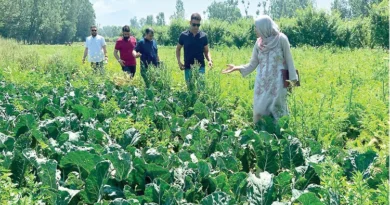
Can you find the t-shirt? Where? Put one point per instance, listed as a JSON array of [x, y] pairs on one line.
[[95, 48], [149, 51], [125, 49], [193, 47]]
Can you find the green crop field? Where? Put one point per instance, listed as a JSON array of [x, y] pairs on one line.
[[70, 136]]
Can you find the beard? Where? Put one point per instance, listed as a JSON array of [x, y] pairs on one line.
[[126, 38]]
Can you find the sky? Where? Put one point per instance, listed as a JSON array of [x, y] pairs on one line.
[[119, 12]]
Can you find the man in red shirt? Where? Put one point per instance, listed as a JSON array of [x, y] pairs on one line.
[[126, 47]]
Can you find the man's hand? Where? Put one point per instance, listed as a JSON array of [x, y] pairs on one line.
[[121, 62], [138, 55], [211, 64], [181, 66]]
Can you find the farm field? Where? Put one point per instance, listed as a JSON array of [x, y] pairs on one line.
[[69, 136]]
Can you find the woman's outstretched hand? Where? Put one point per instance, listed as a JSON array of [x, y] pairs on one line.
[[231, 68]]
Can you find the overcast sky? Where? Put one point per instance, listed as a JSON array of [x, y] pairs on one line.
[[119, 12]]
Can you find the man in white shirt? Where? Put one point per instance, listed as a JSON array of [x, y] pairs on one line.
[[95, 49]]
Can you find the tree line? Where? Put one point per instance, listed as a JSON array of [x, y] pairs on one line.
[[46, 21], [351, 23]]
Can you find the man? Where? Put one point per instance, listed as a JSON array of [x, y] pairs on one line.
[[126, 46], [95, 49], [147, 47], [195, 45]]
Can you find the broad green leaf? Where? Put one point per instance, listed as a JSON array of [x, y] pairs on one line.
[[359, 162], [20, 163], [292, 155], [24, 123], [236, 181], [209, 185], [41, 139], [82, 159], [218, 198], [204, 169], [154, 171], [94, 183], [283, 183], [122, 164], [267, 149], [6, 142], [201, 110], [131, 137], [156, 190], [65, 195], [223, 183], [153, 155], [260, 190], [46, 168], [138, 174], [85, 112], [309, 199]]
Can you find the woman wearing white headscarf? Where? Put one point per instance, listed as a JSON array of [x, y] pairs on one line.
[[271, 54]]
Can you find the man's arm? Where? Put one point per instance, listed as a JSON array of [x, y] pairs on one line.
[[135, 54], [85, 54], [207, 54], [178, 51], [105, 51], [118, 59]]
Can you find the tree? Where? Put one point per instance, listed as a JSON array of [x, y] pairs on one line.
[[149, 20], [227, 10], [287, 8], [160, 19], [361, 8], [142, 22], [341, 6], [134, 23], [86, 19], [180, 12]]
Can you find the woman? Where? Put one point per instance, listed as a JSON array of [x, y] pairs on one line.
[[271, 54]]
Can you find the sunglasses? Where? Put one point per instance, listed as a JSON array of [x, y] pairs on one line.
[[196, 25], [93, 30]]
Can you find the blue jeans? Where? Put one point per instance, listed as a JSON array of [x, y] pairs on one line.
[[199, 81], [188, 73]]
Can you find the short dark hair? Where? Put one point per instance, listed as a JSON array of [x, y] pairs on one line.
[[149, 30], [196, 16], [126, 28], [93, 26]]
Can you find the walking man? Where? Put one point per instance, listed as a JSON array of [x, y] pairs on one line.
[[95, 49], [195, 45], [126, 47], [147, 47]]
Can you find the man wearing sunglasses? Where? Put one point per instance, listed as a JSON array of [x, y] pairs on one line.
[[195, 45], [95, 49], [147, 47]]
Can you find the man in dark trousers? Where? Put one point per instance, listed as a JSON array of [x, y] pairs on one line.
[[147, 47], [126, 46], [195, 45]]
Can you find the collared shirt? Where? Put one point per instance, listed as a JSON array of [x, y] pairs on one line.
[[126, 50], [149, 51], [95, 48], [193, 47]]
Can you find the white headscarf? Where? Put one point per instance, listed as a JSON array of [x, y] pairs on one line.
[[269, 33]]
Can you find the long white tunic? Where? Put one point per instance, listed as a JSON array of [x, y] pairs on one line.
[[270, 96]]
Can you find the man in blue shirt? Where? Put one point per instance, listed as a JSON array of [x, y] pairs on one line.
[[147, 47], [196, 48]]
